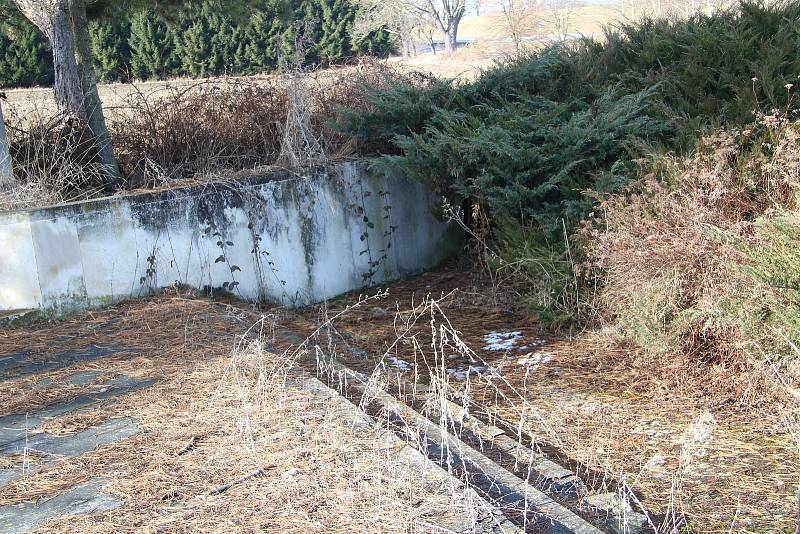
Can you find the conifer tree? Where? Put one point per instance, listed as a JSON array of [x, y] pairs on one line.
[[377, 43], [305, 30], [266, 38], [24, 58], [337, 18], [150, 45], [192, 48], [110, 49], [204, 40], [201, 38], [223, 37]]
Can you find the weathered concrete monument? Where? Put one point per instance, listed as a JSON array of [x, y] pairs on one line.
[[279, 236]]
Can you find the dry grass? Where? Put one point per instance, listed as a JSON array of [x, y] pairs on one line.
[[39, 101], [679, 434], [691, 269], [54, 162], [668, 431], [212, 417]]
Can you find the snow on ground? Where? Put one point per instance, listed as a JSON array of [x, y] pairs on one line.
[[501, 341], [400, 363]]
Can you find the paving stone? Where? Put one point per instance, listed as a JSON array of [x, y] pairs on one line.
[[87, 498], [24, 363], [81, 378], [11, 474], [75, 444], [16, 427], [620, 516]]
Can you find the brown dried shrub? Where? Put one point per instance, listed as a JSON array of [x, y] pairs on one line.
[[180, 132], [692, 263], [54, 161], [205, 128]]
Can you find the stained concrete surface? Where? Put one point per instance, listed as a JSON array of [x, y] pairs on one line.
[[69, 445], [276, 237], [16, 427]]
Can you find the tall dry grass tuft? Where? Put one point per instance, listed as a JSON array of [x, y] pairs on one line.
[[400, 495], [428, 363]]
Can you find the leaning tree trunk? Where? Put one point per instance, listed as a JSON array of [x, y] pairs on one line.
[[6, 170], [91, 99], [64, 24], [53, 19]]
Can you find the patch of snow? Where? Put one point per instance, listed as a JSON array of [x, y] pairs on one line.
[[462, 373], [535, 359], [501, 340], [505, 341], [400, 363]]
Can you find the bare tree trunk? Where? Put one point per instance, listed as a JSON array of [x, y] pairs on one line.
[[6, 169], [65, 25], [67, 87], [408, 44], [450, 35], [91, 98]]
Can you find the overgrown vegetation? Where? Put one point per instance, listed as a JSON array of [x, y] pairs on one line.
[[535, 140], [212, 38], [583, 156], [202, 129], [702, 257], [52, 163]]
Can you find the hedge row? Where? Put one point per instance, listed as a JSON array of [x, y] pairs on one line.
[[200, 41]]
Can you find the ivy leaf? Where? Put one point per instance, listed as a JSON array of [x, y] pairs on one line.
[[220, 259]]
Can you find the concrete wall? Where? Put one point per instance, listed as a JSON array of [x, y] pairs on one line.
[[276, 237]]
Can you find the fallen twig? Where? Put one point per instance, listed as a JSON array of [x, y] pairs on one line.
[[189, 446], [225, 487]]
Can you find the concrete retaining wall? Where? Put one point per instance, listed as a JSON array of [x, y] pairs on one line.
[[276, 237]]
